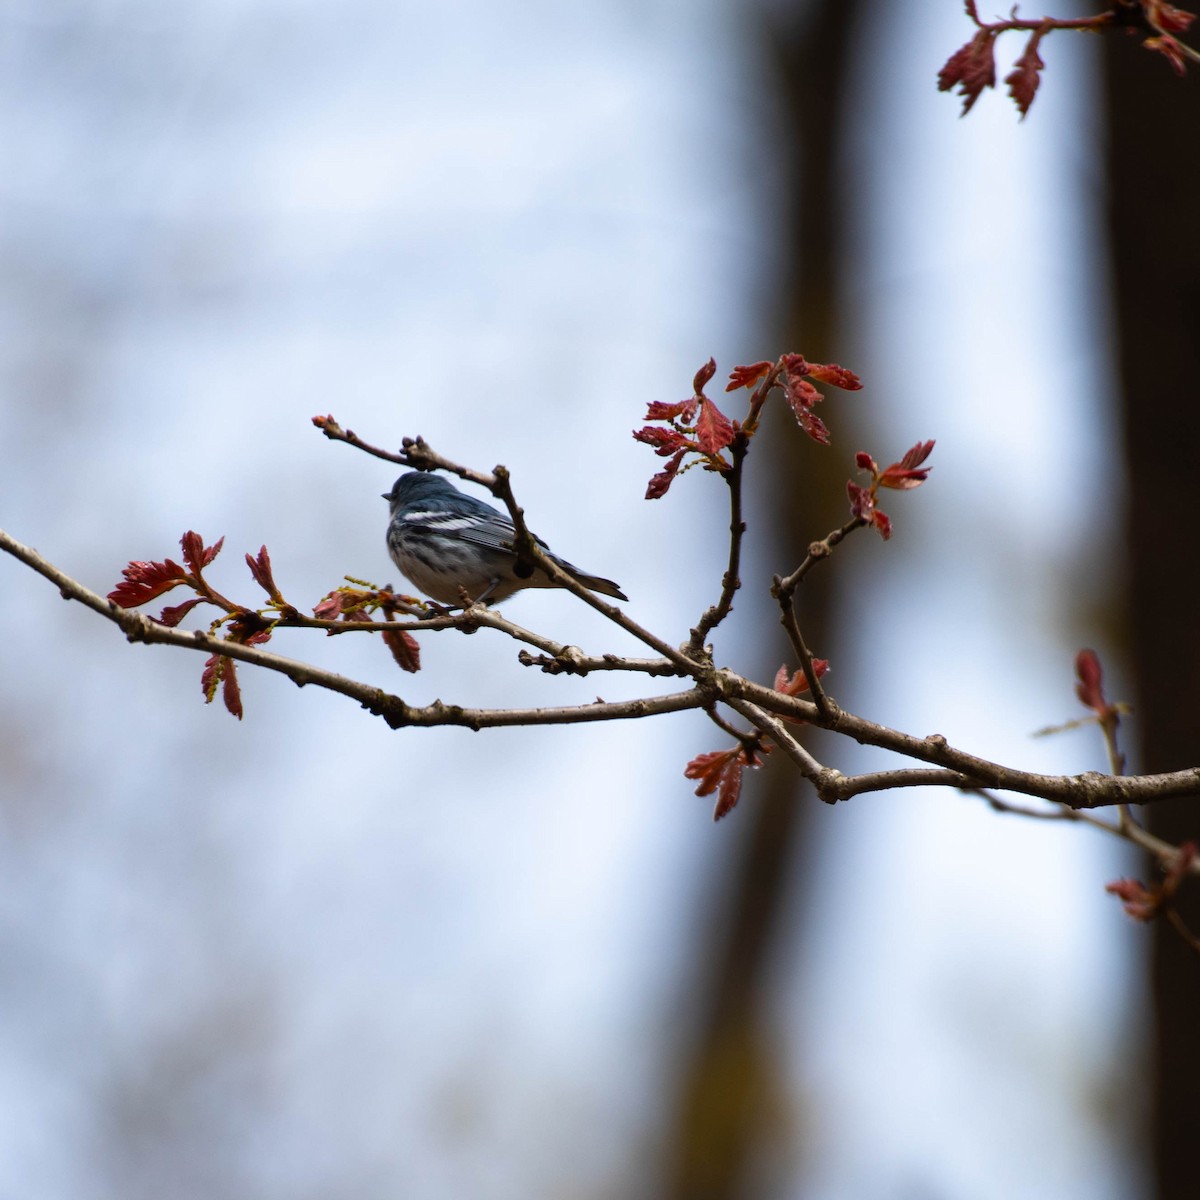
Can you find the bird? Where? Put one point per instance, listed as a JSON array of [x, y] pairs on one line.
[[446, 542]]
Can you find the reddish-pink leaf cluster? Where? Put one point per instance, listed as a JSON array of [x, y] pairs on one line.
[[696, 426], [145, 581], [357, 604], [720, 771], [220, 671], [898, 476], [972, 67], [1143, 902], [693, 426]]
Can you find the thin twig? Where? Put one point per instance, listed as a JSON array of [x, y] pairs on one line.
[[138, 627], [731, 581], [779, 733], [784, 591], [527, 546]]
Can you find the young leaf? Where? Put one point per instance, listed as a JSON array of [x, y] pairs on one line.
[[144, 581], [838, 377], [1025, 76], [1172, 19], [260, 568], [971, 68], [405, 649], [661, 410], [664, 441], [210, 677], [713, 428], [797, 683], [718, 771], [173, 615], [703, 375], [1170, 49], [747, 377], [908, 472], [196, 554], [231, 693], [658, 485], [1090, 688], [330, 608]]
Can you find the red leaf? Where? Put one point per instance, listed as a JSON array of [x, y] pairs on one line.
[[659, 410], [1170, 49], [801, 396], [1025, 76], [800, 393], [658, 485], [813, 426], [971, 69], [231, 693], [720, 771], [146, 581], [708, 769], [703, 375], [862, 501], [1172, 19], [728, 793], [210, 677], [951, 74], [1145, 903], [839, 377], [907, 473], [664, 441], [713, 428], [744, 377], [883, 523], [330, 608], [219, 671], [260, 568], [195, 553], [404, 648], [917, 455], [172, 616], [864, 462], [1138, 901], [797, 683], [1090, 688]]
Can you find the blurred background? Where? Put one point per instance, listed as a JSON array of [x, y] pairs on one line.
[[306, 956]]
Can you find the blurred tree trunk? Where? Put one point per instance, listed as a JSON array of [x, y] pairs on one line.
[[1154, 211], [730, 1088]]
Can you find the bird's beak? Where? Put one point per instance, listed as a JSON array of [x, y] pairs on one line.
[[385, 495]]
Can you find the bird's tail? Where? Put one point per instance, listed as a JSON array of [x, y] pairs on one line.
[[605, 587]]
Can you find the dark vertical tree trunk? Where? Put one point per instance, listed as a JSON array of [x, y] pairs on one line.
[[1154, 220], [730, 1085]]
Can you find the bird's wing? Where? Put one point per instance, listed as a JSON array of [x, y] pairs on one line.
[[482, 527]]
